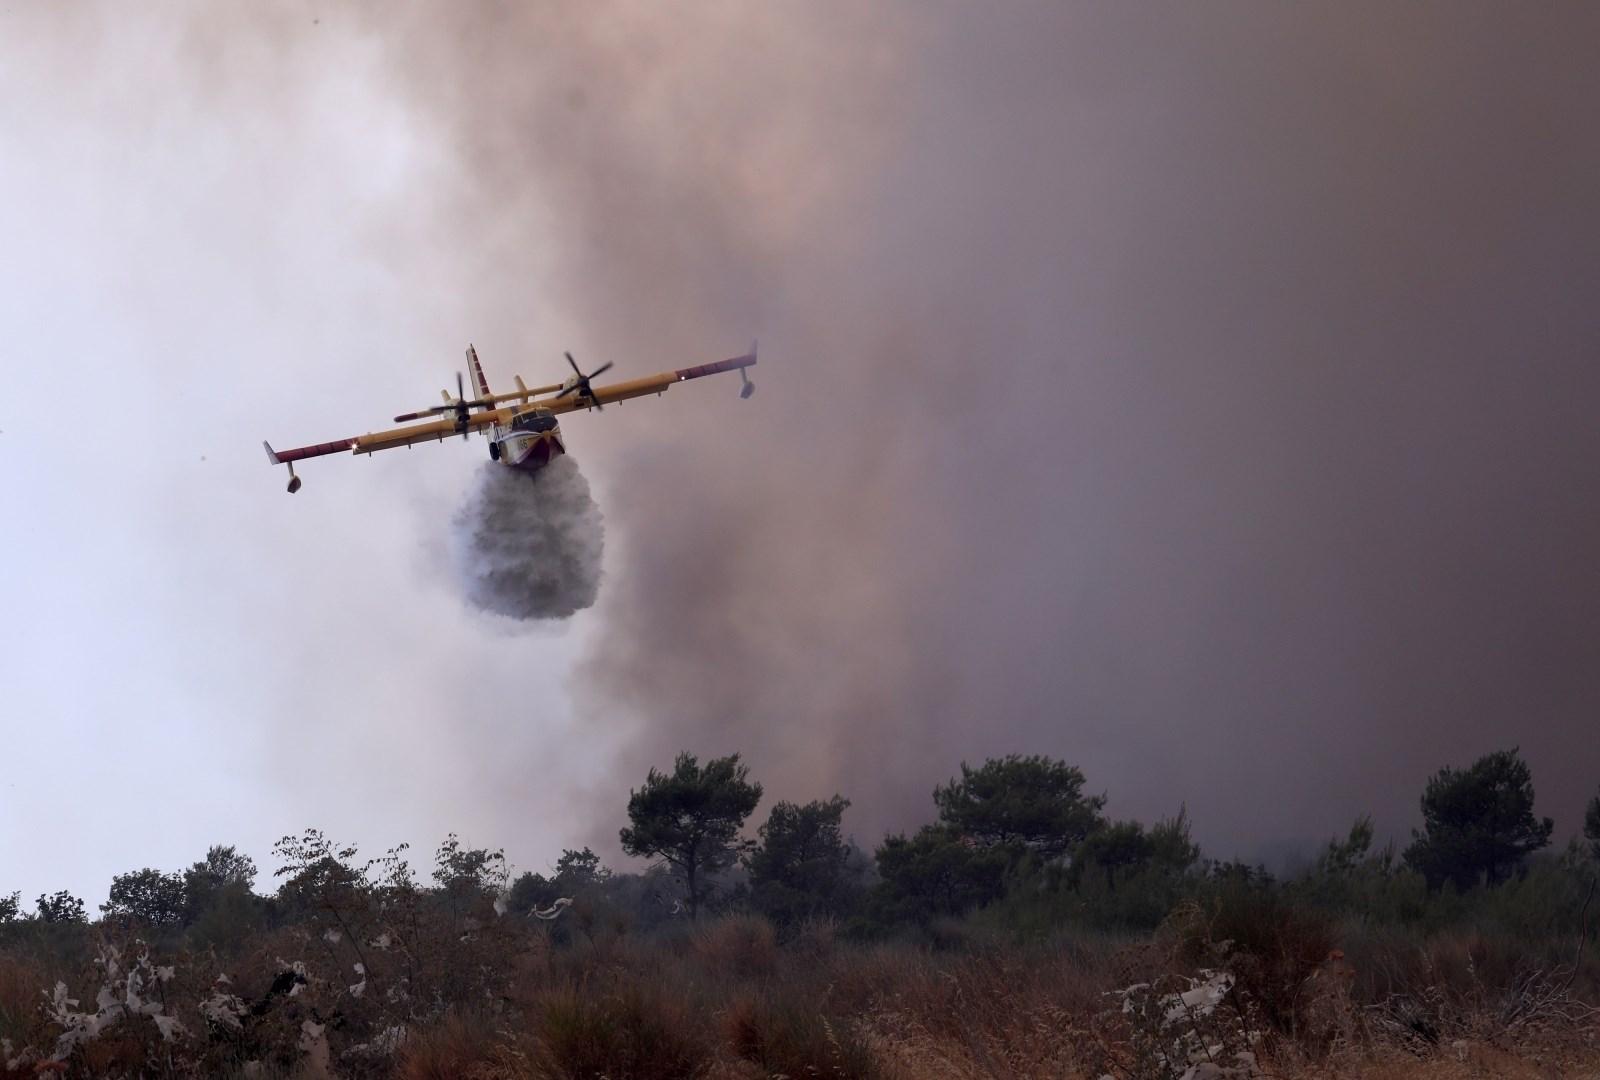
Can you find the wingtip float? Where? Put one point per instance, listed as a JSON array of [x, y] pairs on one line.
[[520, 424]]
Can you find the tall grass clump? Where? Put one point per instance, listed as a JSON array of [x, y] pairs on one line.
[[636, 1030]]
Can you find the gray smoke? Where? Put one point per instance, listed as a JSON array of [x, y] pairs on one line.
[[528, 547], [1135, 386]]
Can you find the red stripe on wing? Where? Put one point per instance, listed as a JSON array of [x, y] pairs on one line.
[[477, 374], [712, 369], [315, 450]]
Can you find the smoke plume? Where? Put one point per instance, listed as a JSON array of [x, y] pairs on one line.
[[1203, 394], [529, 546], [1136, 386]]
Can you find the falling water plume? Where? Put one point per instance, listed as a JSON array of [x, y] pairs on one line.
[[528, 547]]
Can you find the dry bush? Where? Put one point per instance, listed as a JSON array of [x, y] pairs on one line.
[[21, 982], [787, 1034], [507, 999], [866, 976], [1039, 1043], [1464, 985], [738, 947], [814, 940], [1270, 946], [462, 1046], [638, 1031], [133, 1048], [1002, 1012]]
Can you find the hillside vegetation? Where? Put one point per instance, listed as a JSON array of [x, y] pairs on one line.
[[1019, 934]]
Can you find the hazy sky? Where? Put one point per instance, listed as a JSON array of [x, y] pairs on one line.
[[1202, 394]]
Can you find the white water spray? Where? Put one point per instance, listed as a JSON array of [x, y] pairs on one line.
[[528, 547]]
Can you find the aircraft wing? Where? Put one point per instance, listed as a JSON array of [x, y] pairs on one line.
[[298, 453], [449, 425], [605, 395], [433, 431], [651, 384], [391, 439]]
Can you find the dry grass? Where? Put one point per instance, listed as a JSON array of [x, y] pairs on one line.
[[639, 1031], [462, 1046], [21, 982], [739, 947], [726, 1001]]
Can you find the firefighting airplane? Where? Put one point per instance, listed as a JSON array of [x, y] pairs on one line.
[[521, 429]]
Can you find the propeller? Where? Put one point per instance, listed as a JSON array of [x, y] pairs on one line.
[[460, 406], [582, 385]]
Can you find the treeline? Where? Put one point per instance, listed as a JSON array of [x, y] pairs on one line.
[[1015, 844]]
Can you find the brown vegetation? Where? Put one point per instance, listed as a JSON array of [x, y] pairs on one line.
[[1116, 952], [726, 999]]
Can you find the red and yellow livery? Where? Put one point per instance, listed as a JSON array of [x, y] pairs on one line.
[[521, 426]]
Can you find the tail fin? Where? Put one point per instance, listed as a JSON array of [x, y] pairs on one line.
[[480, 385]]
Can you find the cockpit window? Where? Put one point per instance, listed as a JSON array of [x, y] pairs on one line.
[[533, 421]]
